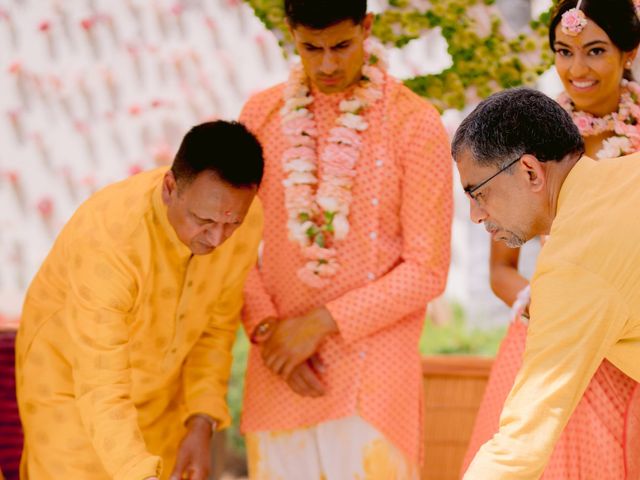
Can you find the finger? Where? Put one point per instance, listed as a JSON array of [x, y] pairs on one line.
[[302, 388], [196, 473], [316, 363], [312, 381], [287, 368], [295, 385], [279, 365], [181, 464], [275, 363]]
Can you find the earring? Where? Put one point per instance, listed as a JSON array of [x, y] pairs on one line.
[[628, 64]]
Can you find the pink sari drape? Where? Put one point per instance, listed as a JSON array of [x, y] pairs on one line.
[[601, 440]]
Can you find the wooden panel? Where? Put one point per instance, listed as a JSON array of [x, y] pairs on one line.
[[453, 387]]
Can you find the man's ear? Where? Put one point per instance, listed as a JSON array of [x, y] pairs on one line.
[[169, 187], [535, 172], [367, 24]]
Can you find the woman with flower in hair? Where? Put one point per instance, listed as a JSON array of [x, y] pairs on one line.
[[595, 42]]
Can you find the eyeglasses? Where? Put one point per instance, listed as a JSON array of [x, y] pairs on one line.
[[471, 191]]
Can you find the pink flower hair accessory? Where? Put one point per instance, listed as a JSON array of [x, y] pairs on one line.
[[573, 21]]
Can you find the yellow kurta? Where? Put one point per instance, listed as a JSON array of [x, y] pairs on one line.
[[585, 307], [124, 335]]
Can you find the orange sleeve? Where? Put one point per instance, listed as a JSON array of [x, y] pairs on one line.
[[422, 146], [257, 301]]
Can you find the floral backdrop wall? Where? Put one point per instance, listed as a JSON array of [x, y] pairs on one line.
[[96, 90]]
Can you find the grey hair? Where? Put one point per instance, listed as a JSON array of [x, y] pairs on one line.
[[515, 122]]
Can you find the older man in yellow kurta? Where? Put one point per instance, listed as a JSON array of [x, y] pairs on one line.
[[123, 353], [518, 155]]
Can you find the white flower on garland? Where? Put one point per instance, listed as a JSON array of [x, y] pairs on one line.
[[319, 218]]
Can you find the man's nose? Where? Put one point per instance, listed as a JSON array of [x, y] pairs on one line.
[[328, 64], [476, 212], [215, 235]]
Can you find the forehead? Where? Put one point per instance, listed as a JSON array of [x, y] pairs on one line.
[[210, 197], [339, 32], [590, 33], [471, 172]]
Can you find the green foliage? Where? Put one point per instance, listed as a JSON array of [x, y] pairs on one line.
[[236, 389], [457, 338], [484, 59]]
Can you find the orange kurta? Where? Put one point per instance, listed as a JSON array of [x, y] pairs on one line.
[[124, 335], [393, 262]]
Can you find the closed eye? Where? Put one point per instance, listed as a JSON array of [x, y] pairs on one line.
[[594, 52], [342, 46]]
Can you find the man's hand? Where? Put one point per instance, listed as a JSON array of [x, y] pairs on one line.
[[263, 331], [304, 379], [194, 456], [294, 340]]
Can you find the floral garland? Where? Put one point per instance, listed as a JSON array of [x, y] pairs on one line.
[[318, 210], [625, 123]]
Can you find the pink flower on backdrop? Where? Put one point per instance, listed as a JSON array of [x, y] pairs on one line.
[[45, 207], [13, 176], [87, 23], [15, 67], [44, 26], [211, 23], [135, 169], [177, 9], [89, 181], [135, 110], [81, 127]]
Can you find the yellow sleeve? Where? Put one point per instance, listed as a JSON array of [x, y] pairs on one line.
[[102, 293], [207, 367], [576, 317]]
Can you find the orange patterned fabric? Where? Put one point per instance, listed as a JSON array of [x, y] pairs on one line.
[[602, 438], [393, 262]]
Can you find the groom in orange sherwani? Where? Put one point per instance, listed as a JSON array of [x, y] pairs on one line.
[[358, 205]]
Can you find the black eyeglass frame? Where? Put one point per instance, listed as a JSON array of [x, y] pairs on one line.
[[470, 191]]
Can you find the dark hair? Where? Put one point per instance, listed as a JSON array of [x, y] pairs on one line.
[[515, 122], [617, 18], [226, 148], [319, 14]]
